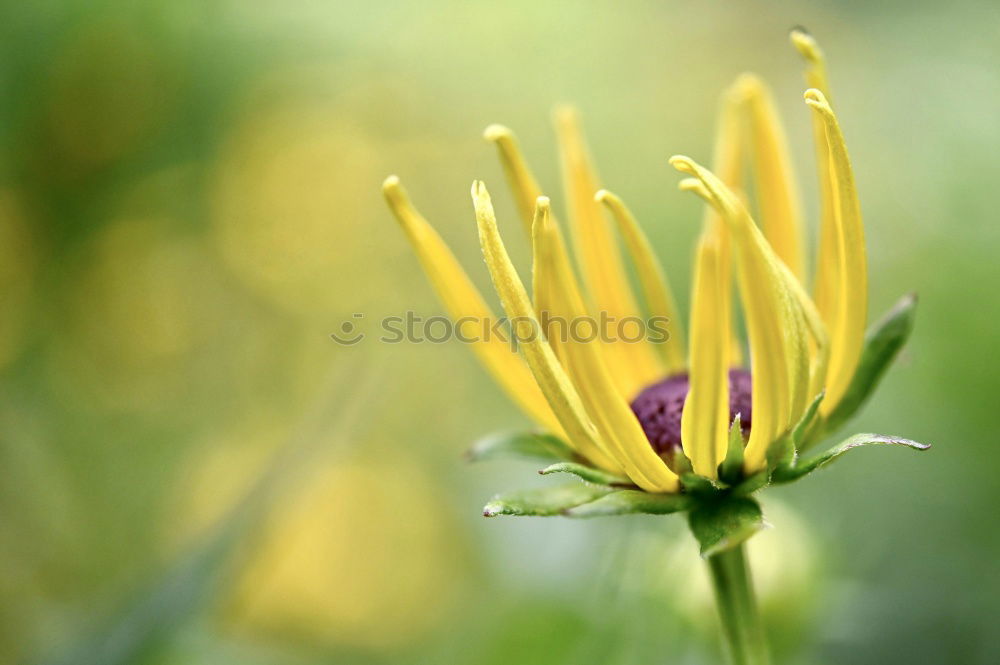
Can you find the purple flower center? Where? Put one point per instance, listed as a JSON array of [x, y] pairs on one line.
[[659, 407]]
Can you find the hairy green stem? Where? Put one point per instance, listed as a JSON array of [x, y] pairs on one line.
[[737, 605]]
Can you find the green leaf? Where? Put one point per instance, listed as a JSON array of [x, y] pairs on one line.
[[525, 445], [720, 525], [544, 501], [791, 472], [625, 502], [731, 468], [882, 342], [587, 474]]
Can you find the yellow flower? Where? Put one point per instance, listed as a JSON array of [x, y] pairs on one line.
[[653, 412]]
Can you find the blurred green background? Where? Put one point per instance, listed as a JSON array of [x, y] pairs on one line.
[[191, 471]]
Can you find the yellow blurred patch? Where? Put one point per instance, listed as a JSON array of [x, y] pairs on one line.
[[143, 299], [295, 205], [355, 553], [363, 555], [221, 469]]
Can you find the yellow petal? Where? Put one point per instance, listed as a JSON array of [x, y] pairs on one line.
[[525, 188], [827, 268], [810, 51], [779, 352], [562, 396], [521, 180], [548, 305], [728, 164], [586, 365], [655, 287], [466, 306], [819, 349], [847, 323], [634, 365], [705, 419], [777, 198]]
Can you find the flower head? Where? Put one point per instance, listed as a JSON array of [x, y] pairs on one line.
[[654, 426]]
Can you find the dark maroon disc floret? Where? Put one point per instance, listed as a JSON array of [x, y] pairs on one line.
[[659, 408]]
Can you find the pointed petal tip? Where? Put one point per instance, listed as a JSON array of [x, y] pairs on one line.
[[682, 163], [565, 112], [541, 221], [689, 185], [390, 184], [805, 44], [497, 132], [482, 204], [747, 84], [395, 196], [815, 96]]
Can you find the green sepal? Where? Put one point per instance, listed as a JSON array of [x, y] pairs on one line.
[[808, 419], [797, 469], [882, 342], [731, 468], [751, 484], [625, 502], [723, 524], [781, 452], [524, 445], [544, 501], [680, 464], [695, 484], [784, 450], [588, 474]]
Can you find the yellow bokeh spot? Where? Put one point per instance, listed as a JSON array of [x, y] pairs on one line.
[[143, 300], [221, 470], [361, 556], [355, 553], [295, 205]]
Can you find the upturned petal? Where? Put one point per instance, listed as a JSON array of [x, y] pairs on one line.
[[779, 352], [658, 295], [846, 260], [467, 308], [586, 363], [634, 365], [777, 199], [555, 385], [520, 178], [704, 421]]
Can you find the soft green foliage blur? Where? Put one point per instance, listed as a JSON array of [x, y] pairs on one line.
[[191, 471]]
